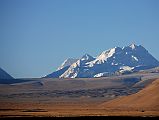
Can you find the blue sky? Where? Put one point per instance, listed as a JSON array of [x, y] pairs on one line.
[[36, 36]]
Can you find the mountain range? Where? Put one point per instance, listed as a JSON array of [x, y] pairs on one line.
[[116, 60]]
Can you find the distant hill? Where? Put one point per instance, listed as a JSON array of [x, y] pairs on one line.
[[4, 75]]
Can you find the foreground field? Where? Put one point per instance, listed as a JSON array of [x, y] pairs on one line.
[[112, 96], [69, 109]]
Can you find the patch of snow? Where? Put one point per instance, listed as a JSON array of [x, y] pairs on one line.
[[126, 68], [101, 74], [74, 76], [104, 74], [106, 54], [112, 51], [135, 58], [133, 46]]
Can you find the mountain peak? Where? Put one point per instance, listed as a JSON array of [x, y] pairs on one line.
[[133, 46], [108, 53], [87, 57], [67, 62]]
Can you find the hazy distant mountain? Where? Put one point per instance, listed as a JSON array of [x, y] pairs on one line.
[[4, 75], [127, 59]]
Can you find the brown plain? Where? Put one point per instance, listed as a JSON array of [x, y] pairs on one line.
[[143, 103]]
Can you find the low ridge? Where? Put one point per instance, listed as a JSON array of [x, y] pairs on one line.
[[146, 99]]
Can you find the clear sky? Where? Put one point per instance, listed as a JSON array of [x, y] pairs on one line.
[[36, 36]]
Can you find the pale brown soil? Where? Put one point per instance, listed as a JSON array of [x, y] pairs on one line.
[[146, 99], [67, 109]]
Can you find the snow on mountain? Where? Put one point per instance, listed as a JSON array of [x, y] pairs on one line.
[[64, 66], [126, 68], [57, 73], [4, 74], [104, 56], [128, 58], [104, 74], [79, 68], [87, 58], [67, 62], [133, 46]]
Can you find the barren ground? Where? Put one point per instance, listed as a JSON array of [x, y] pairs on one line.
[[115, 96]]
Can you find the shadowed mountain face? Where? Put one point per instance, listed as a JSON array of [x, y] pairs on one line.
[[116, 60], [57, 73], [61, 69], [4, 75]]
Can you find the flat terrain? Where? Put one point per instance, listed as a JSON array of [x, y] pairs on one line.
[[108, 96]]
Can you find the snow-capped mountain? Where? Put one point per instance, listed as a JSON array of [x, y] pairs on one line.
[[115, 60], [79, 68], [62, 68], [4, 74], [67, 62]]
